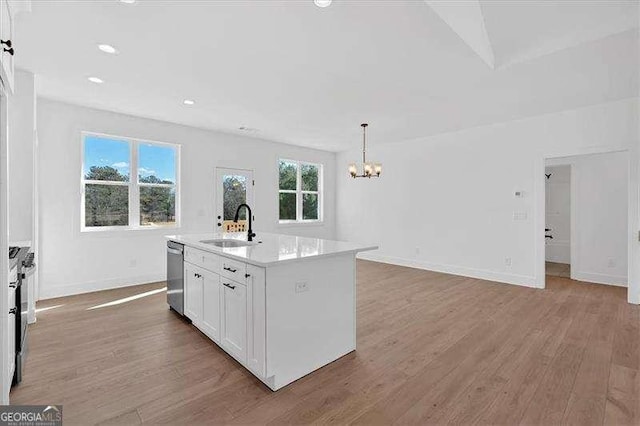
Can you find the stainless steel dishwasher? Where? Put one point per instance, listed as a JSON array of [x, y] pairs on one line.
[[175, 276]]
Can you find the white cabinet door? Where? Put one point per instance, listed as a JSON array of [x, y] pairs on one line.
[[256, 318], [193, 281], [6, 35], [211, 305], [234, 318]]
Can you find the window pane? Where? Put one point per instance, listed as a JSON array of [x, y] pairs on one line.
[[310, 206], [309, 177], [287, 206], [234, 193], [156, 164], [106, 159], [106, 205], [288, 175], [157, 206]]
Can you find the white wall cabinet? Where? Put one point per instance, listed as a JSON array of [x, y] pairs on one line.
[[7, 47]]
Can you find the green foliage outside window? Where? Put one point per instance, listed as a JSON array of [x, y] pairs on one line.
[[288, 175], [309, 173], [106, 205], [292, 192], [287, 206], [235, 193]]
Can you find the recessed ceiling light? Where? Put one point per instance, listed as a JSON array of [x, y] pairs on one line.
[[96, 80], [128, 1], [189, 102], [322, 3], [107, 48]]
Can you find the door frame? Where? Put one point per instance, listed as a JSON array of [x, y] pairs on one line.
[[633, 215], [218, 194]]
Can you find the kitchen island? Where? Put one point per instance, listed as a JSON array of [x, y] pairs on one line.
[[281, 305]]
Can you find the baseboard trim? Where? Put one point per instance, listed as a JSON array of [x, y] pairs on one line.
[[593, 277], [515, 279], [49, 292], [551, 257]]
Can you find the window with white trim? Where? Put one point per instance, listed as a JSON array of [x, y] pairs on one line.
[[128, 183], [300, 191]]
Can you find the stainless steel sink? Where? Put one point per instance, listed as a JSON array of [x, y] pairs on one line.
[[226, 243]]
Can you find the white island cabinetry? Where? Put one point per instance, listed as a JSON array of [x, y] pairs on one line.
[[282, 306], [219, 298]]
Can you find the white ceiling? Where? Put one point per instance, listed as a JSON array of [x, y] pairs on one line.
[[309, 76]]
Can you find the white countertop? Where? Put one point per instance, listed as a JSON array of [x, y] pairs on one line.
[[271, 249]]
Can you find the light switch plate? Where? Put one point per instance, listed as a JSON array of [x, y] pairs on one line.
[[519, 215], [302, 286]]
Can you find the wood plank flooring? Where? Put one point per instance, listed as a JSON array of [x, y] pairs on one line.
[[432, 349], [558, 269]]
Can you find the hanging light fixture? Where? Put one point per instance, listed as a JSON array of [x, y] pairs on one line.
[[369, 170]]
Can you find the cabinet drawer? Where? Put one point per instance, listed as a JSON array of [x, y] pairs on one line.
[[211, 262], [203, 259], [233, 270], [194, 256]]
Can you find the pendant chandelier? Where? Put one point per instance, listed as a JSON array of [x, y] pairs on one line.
[[369, 170]]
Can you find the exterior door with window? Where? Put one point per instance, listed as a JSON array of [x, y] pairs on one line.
[[233, 187]]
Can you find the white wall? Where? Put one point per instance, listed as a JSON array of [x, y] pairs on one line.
[[558, 213], [22, 124], [447, 202], [75, 262], [599, 204]]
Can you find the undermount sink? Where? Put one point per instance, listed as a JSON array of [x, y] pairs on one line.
[[225, 243]]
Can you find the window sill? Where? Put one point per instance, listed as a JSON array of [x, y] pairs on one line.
[[299, 224], [108, 231]]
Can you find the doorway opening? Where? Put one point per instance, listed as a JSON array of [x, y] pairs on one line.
[[557, 232], [587, 218], [233, 187]]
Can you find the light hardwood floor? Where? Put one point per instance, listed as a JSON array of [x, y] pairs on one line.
[[558, 269], [432, 349]]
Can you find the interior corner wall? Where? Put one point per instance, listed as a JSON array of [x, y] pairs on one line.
[[73, 262], [447, 202], [22, 124]]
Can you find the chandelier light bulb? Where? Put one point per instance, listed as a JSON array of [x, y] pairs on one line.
[[322, 3]]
